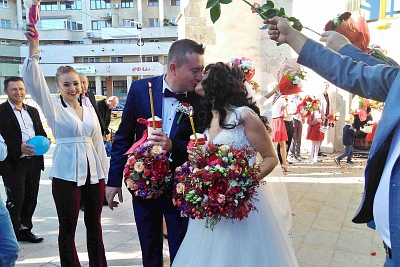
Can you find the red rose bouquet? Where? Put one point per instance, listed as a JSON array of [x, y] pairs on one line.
[[358, 35], [220, 184], [290, 77], [146, 171], [307, 106]]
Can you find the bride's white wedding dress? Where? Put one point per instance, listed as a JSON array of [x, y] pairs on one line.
[[261, 240]]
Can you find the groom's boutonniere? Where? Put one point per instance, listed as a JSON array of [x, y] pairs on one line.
[[183, 108]]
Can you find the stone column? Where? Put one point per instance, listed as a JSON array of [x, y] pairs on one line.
[[161, 12], [20, 22], [128, 83]]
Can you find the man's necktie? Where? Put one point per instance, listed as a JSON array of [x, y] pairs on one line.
[[180, 97]]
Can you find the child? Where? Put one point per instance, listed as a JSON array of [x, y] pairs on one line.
[[314, 133], [348, 139]]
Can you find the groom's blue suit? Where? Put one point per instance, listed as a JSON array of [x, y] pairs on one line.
[[148, 213], [365, 76]]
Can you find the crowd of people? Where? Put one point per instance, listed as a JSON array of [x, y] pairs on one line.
[[224, 113]]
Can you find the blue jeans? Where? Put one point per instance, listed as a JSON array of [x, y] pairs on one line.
[[8, 242], [348, 152]]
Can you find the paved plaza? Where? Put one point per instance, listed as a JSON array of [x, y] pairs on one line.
[[324, 197]]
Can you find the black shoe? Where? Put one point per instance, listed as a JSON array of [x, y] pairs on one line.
[[321, 154], [29, 237]]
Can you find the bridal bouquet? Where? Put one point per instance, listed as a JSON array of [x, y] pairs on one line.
[[306, 106], [220, 184], [146, 171]]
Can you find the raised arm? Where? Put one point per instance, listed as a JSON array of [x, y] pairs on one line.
[[33, 77]]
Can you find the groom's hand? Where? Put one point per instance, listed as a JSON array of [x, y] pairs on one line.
[[110, 194], [161, 139]]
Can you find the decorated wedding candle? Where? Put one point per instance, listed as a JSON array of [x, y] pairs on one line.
[[152, 107], [201, 140], [154, 124]]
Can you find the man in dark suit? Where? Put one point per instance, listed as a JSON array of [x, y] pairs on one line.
[[88, 98], [184, 71], [104, 108], [21, 169], [361, 74]]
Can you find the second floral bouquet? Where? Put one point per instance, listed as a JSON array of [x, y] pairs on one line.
[[220, 184]]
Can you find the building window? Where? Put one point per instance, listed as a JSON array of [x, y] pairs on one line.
[[152, 3], [150, 58], [4, 3], [13, 60], [120, 86], [48, 6], [100, 4], [154, 40], [74, 25], [128, 23], [98, 24], [71, 5], [154, 23], [52, 24], [6, 24], [91, 60], [175, 2], [126, 3], [117, 59], [173, 22]]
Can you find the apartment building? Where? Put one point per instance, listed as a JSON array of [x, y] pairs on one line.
[[112, 41]]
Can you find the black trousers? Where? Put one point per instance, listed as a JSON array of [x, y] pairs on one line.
[[22, 189], [289, 131]]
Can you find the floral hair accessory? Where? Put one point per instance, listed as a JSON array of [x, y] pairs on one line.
[[184, 109], [246, 65], [221, 183], [146, 171]]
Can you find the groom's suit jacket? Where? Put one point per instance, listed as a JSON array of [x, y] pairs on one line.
[[365, 76], [129, 131]]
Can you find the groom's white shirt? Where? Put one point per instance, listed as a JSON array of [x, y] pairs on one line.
[[381, 200], [3, 149]]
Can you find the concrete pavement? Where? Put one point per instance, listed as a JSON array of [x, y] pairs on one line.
[[323, 197]]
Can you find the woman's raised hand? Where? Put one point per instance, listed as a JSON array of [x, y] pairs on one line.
[[33, 43]]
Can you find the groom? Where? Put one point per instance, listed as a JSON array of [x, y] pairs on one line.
[[184, 71]]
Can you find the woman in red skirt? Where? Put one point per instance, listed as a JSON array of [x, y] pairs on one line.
[[280, 136], [314, 133]]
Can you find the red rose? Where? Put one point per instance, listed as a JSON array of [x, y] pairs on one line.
[[345, 16], [235, 190], [147, 172], [154, 180], [329, 26]]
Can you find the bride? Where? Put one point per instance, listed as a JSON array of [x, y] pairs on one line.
[[227, 116]]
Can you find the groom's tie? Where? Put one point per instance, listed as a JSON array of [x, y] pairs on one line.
[[180, 97]]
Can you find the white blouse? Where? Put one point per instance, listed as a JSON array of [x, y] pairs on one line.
[[77, 141]]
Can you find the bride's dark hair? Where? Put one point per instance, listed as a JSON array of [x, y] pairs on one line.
[[224, 90]]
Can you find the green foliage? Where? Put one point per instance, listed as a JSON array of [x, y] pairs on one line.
[[266, 11]]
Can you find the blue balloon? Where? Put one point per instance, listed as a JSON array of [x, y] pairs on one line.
[[41, 144]]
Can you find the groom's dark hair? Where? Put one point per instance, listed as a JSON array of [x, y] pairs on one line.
[[178, 50]]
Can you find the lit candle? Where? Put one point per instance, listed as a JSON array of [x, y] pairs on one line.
[[152, 106], [193, 129]]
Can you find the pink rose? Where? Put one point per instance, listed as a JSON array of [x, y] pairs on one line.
[[221, 198]]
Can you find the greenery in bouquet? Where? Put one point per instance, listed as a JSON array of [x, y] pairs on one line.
[[220, 184], [146, 171], [298, 78], [307, 106]]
